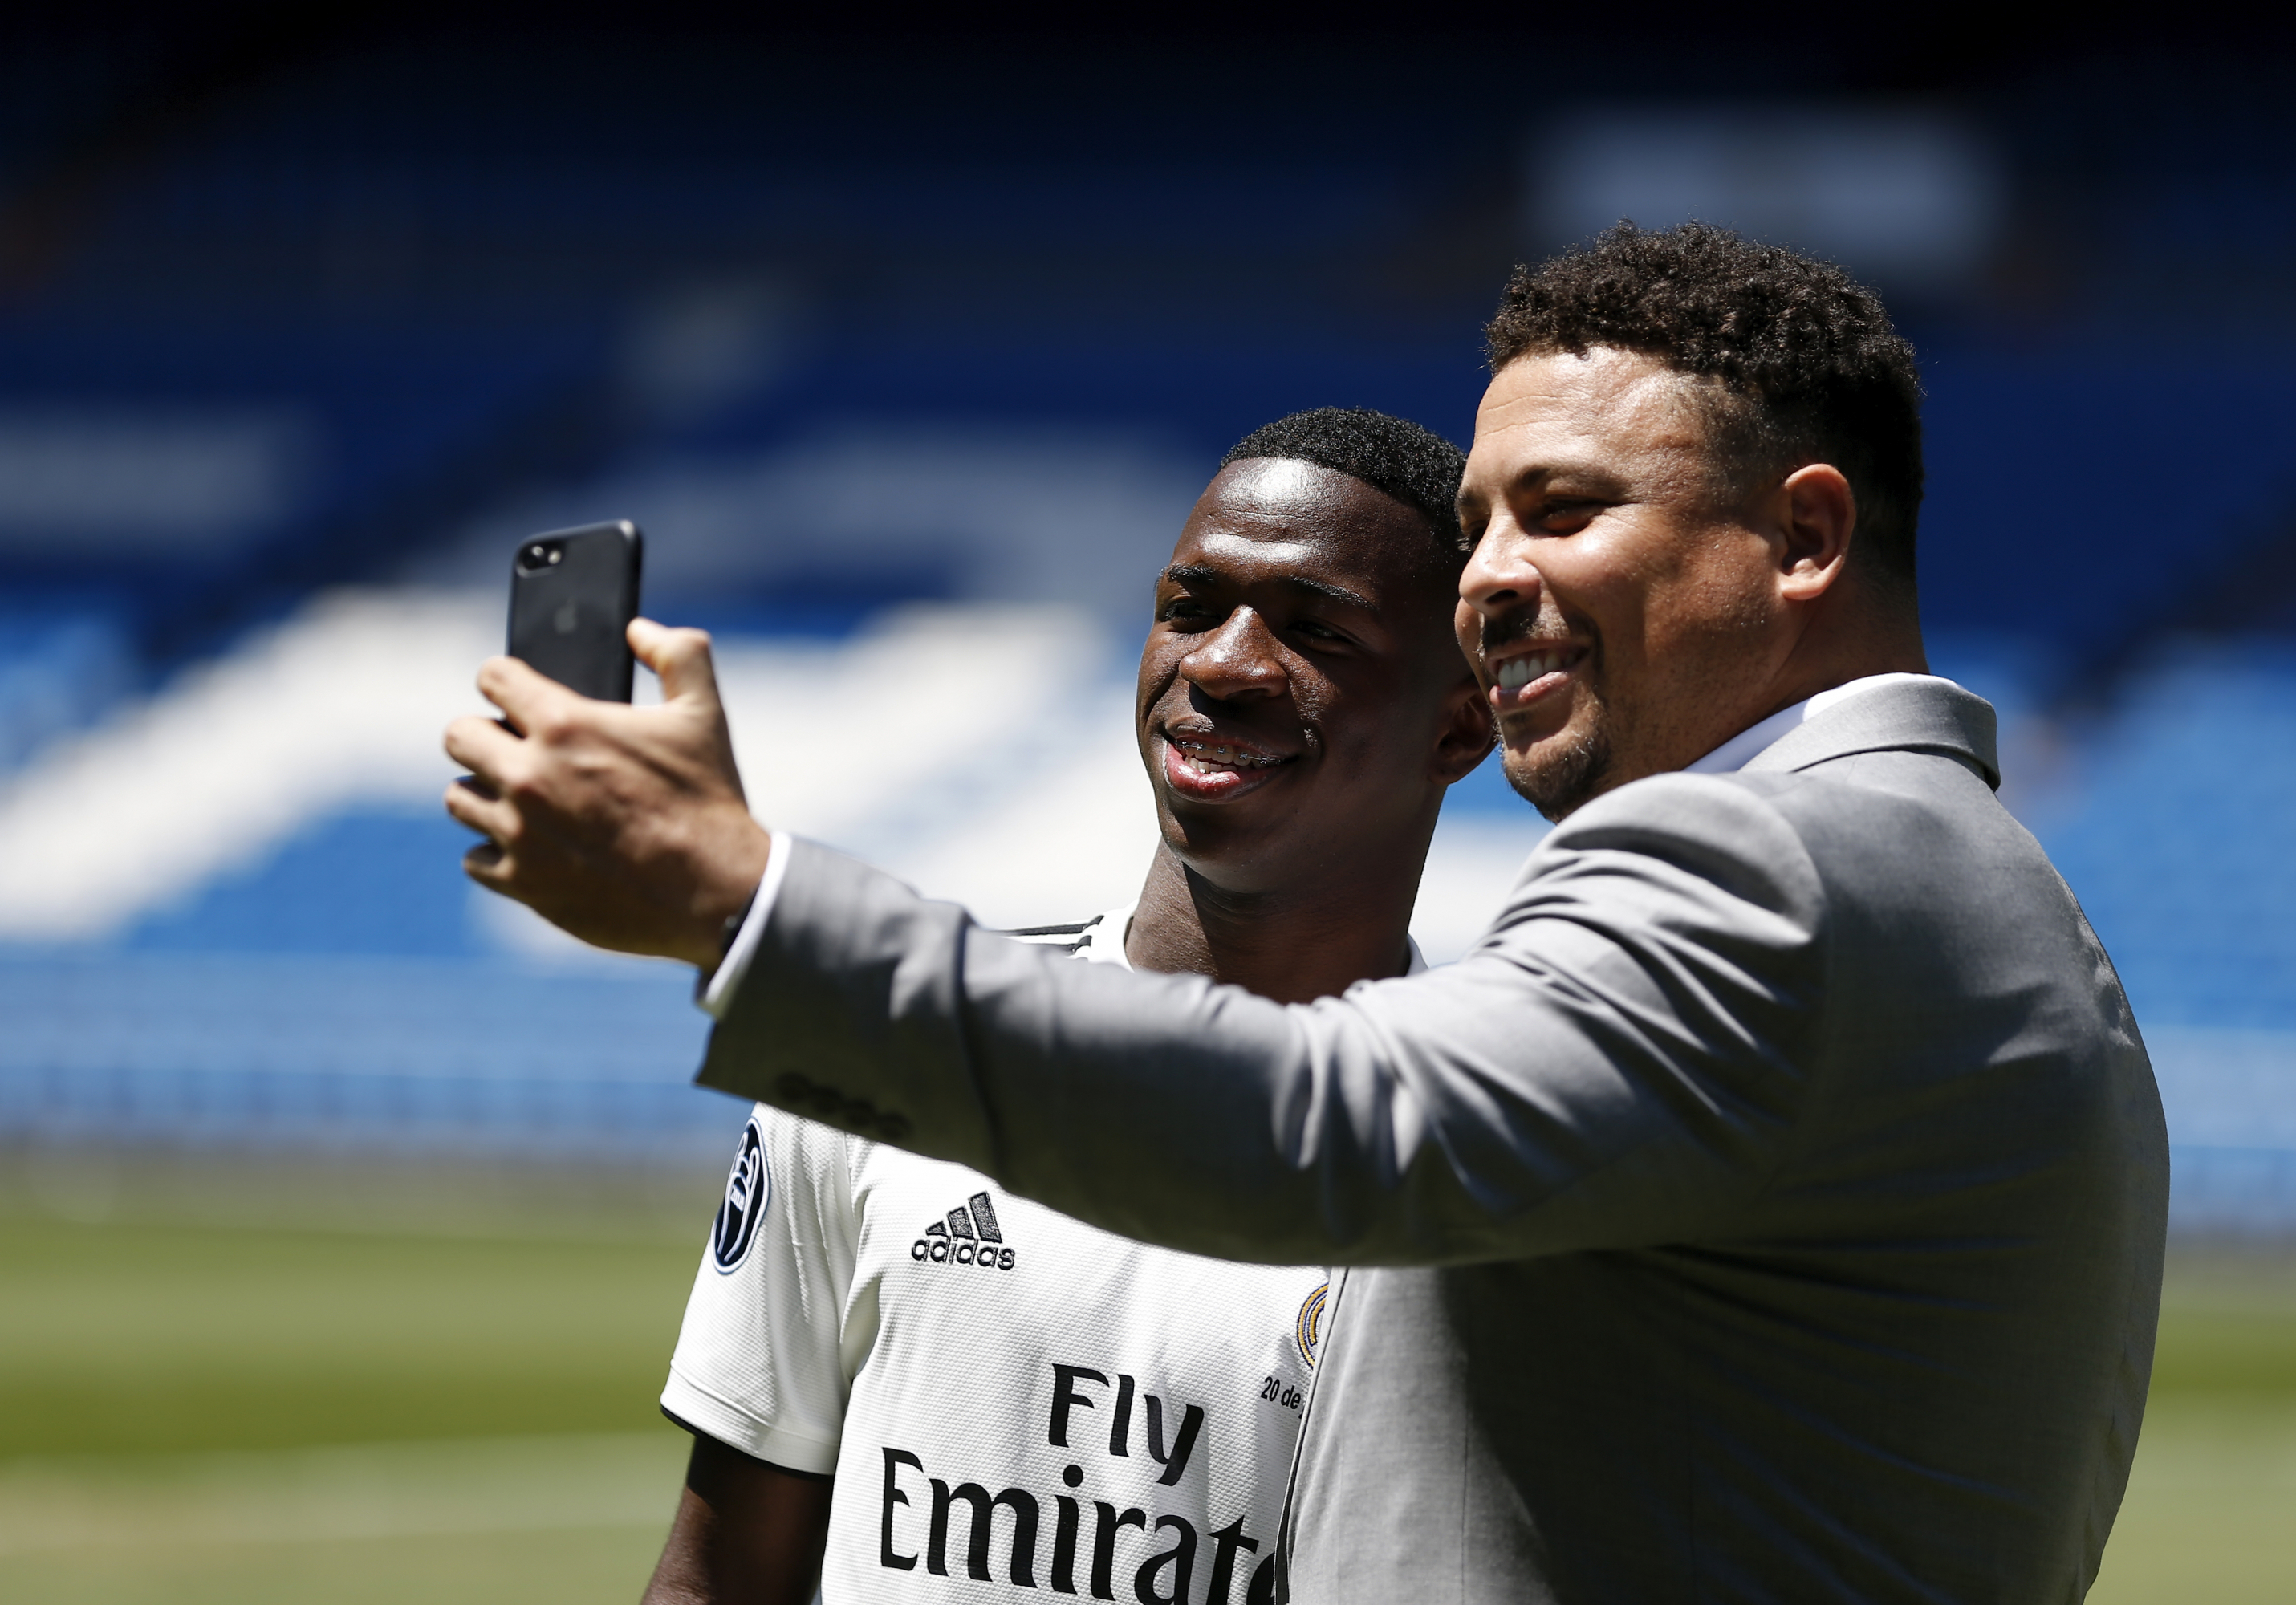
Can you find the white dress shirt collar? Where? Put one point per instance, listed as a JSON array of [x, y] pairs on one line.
[[1742, 749]]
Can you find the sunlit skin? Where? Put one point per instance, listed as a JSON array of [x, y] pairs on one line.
[[1650, 612], [1301, 710], [1678, 617], [627, 826]]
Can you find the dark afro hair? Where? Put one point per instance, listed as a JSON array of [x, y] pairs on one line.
[[1806, 365], [1417, 467]]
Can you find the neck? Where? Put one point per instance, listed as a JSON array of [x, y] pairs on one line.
[[1848, 647], [1292, 944]]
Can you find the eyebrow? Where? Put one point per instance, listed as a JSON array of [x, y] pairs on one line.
[[1205, 575], [1599, 481]]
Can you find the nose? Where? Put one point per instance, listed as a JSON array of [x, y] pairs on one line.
[[1499, 578], [1239, 660]]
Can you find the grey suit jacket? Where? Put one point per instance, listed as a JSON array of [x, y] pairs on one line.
[[1770, 1208]]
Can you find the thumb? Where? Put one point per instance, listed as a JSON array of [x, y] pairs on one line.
[[680, 657]]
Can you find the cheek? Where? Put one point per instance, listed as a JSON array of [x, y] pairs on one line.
[[1367, 733], [1656, 594], [1719, 600], [1160, 666], [1317, 706], [1613, 590]]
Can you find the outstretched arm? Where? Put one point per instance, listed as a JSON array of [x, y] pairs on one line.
[[1620, 1063], [745, 1532]]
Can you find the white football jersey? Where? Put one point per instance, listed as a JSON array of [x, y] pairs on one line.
[[1011, 1400]]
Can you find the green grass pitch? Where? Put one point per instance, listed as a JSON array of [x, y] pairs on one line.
[[462, 1408]]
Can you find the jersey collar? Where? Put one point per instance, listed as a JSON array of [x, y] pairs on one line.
[[1103, 942]]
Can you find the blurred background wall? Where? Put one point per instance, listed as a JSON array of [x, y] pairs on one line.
[[910, 343]]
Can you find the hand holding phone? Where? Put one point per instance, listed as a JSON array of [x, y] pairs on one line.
[[626, 826], [572, 595]]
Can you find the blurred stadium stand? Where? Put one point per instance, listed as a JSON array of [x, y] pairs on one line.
[[911, 363]]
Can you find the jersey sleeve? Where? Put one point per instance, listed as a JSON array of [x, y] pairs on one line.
[[761, 1360]]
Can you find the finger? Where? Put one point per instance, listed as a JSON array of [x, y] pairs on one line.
[[528, 697], [680, 657], [483, 747], [489, 866], [489, 817]]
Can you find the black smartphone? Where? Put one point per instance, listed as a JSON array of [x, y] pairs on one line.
[[572, 595]]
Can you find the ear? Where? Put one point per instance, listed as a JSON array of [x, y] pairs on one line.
[[1468, 732], [1819, 517]]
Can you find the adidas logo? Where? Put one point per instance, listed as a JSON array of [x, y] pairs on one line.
[[967, 1236]]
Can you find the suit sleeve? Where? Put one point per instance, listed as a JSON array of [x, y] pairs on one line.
[[1618, 1063]]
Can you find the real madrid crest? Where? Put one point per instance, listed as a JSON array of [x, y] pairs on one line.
[[749, 1193]]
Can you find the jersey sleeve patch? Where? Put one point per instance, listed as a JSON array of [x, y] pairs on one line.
[[749, 1194], [1308, 1331]]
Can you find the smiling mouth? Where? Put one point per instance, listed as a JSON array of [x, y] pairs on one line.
[[1521, 678], [1516, 673], [1212, 770], [1222, 755]]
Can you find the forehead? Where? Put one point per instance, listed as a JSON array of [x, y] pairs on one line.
[[1608, 410], [1270, 517]]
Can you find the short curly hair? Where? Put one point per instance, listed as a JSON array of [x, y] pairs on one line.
[[1415, 466], [1805, 363]]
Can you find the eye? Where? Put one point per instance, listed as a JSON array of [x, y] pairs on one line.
[[1186, 612], [1567, 516], [1322, 634]]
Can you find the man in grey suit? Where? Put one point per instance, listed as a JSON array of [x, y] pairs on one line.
[[1769, 1207]]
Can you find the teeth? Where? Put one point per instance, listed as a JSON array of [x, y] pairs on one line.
[[1522, 671], [1231, 757]]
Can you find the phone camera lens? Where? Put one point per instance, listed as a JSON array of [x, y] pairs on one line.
[[539, 556]]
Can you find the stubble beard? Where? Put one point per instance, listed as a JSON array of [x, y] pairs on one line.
[[1556, 783]]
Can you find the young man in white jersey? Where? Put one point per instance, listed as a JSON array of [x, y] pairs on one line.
[[917, 1387]]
